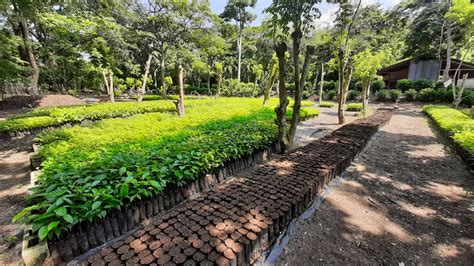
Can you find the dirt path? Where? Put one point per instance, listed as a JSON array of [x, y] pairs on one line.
[[14, 178], [320, 126], [404, 200]]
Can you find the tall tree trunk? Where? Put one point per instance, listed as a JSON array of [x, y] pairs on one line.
[[295, 118], [209, 82], [321, 85], [163, 69], [448, 48], [219, 82], [111, 88], [31, 57], [340, 107], [280, 110], [239, 47], [365, 95], [145, 78], [271, 81], [180, 102], [296, 36]]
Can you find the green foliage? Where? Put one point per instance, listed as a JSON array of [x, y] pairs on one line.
[[377, 85], [394, 95], [328, 85], [404, 85], [411, 94], [327, 104], [89, 171], [459, 126], [331, 95], [233, 88], [354, 107], [353, 95], [423, 83], [44, 117], [388, 95]]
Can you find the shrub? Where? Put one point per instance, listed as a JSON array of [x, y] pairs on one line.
[[377, 85], [410, 94], [404, 85], [354, 107], [327, 104], [328, 85], [459, 126], [306, 95], [422, 84], [90, 171], [427, 95], [394, 95], [290, 87], [383, 95], [439, 85], [232, 88], [353, 95], [331, 95]]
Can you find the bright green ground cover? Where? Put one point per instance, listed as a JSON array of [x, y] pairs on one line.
[[56, 116], [42, 117], [327, 104], [90, 170], [354, 107], [459, 126]]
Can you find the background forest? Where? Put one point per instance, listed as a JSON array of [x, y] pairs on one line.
[[93, 46]]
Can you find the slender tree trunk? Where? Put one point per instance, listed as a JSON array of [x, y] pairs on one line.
[[239, 47], [209, 81], [296, 36], [271, 81], [458, 98], [145, 78], [31, 57], [163, 69], [199, 80], [180, 102], [365, 96], [280, 110], [340, 107], [321, 85], [111, 88], [219, 83], [448, 48]]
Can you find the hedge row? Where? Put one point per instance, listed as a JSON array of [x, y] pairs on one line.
[[459, 126], [89, 171]]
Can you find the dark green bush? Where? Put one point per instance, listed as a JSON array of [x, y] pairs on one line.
[[410, 94], [427, 95], [353, 95], [423, 84], [331, 95], [290, 87], [328, 85], [404, 85], [377, 85], [394, 95], [383, 95]]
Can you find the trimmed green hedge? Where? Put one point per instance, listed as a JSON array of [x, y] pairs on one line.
[[89, 171], [458, 125]]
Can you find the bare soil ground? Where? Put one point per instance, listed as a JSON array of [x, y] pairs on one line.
[[14, 178], [405, 200]]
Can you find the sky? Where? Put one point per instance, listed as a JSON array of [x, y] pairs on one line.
[[327, 10]]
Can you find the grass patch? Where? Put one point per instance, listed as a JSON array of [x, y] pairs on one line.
[[89, 171], [354, 107], [459, 126], [327, 104]]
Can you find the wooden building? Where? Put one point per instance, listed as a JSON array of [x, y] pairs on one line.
[[414, 69]]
